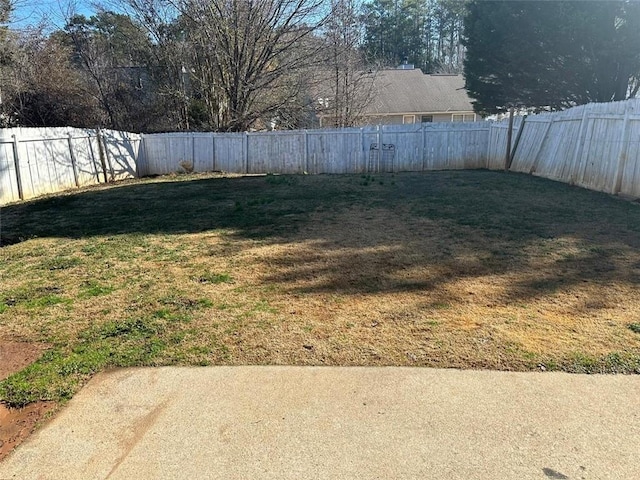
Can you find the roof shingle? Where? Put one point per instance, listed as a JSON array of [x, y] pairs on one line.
[[409, 91]]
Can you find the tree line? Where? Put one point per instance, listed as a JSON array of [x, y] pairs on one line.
[[551, 55], [234, 65], [224, 65]]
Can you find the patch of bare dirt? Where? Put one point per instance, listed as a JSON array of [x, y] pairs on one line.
[[14, 356], [16, 424]]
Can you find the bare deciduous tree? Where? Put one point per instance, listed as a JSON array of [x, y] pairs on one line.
[[350, 80], [248, 55], [40, 85], [113, 52]]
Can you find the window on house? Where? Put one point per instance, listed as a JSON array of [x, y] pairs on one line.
[[427, 118], [408, 119], [466, 117]]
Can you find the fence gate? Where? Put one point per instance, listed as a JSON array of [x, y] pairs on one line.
[[381, 163]]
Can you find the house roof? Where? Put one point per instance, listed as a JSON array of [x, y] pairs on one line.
[[411, 91]]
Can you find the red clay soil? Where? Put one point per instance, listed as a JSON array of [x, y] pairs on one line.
[[16, 424]]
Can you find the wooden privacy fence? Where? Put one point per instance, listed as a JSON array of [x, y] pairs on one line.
[[389, 148], [596, 146], [35, 161]]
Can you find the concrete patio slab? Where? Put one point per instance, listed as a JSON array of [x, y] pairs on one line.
[[338, 423]]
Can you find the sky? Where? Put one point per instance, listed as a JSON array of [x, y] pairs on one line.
[[30, 13]]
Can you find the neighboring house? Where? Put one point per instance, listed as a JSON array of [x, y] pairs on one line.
[[406, 95]]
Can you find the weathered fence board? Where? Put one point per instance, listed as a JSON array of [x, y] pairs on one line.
[[37, 161], [351, 150], [596, 146]]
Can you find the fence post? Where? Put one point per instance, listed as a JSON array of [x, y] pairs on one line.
[[213, 152], [516, 143], [622, 156], [193, 151], [93, 157], [141, 164], [109, 163], [380, 144], [364, 152], [448, 147], [16, 162], [306, 152], [245, 152], [103, 162], [73, 160], [507, 157], [424, 143]]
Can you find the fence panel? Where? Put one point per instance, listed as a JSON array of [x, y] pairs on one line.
[[407, 150], [203, 158], [497, 146], [436, 149], [230, 152], [180, 150], [351, 150], [282, 152], [596, 146], [158, 158], [45, 164], [332, 152], [54, 159], [598, 163], [122, 151], [558, 149], [88, 168], [528, 152], [468, 147]]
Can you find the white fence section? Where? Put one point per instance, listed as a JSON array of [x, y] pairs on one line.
[[596, 146], [36, 161], [351, 150]]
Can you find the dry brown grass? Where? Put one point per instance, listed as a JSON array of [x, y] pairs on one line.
[[465, 269]]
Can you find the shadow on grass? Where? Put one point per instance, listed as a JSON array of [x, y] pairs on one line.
[[518, 237], [459, 224]]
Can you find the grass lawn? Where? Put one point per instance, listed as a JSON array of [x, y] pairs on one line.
[[470, 269]]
